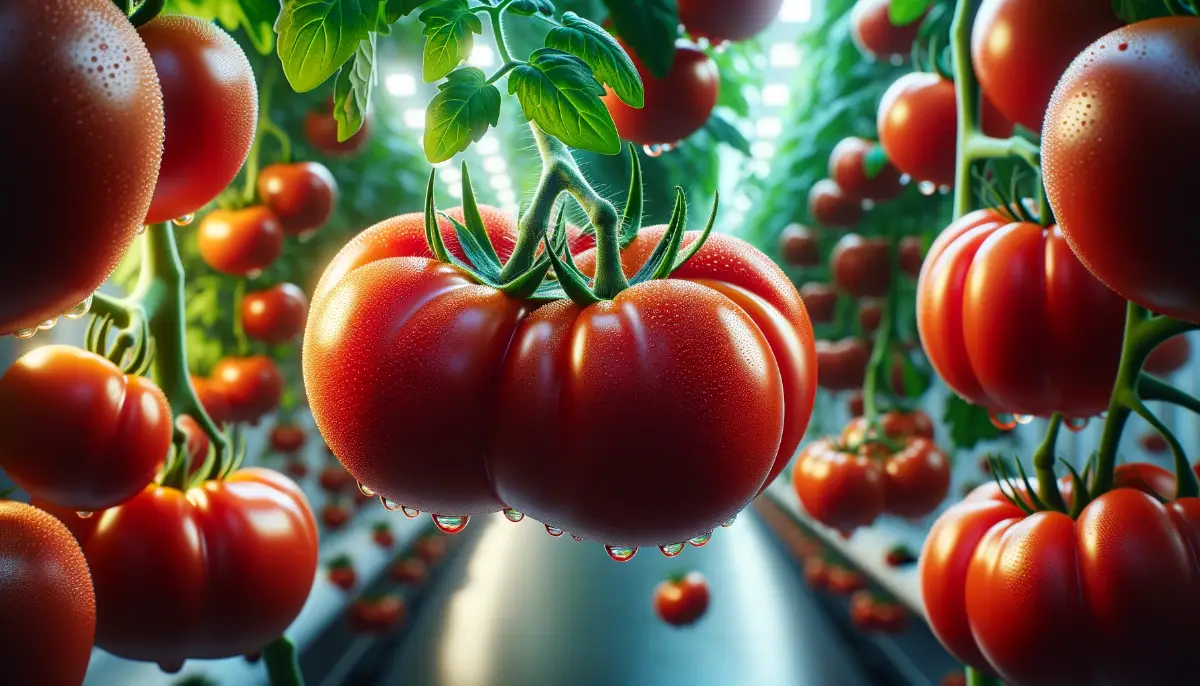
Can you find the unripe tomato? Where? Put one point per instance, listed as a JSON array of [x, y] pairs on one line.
[[78, 433], [240, 242], [320, 128], [829, 205], [799, 246], [287, 439], [820, 299], [876, 35], [918, 127], [251, 385], [847, 168], [275, 315], [211, 105], [862, 267], [676, 106], [1169, 357], [214, 402], [682, 600], [301, 195], [842, 365], [721, 20], [911, 256], [83, 121]]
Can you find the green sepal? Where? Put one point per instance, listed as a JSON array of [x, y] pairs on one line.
[[475, 221], [381, 527], [1034, 499], [477, 257], [905, 12], [526, 285], [210, 458], [1002, 475], [874, 162], [340, 562], [703, 238], [668, 247], [572, 281], [1081, 497], [433, 234], [236, 454], [635, 202]]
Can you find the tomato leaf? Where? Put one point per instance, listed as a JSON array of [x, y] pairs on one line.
[[1131, 11], [449, 36], [600, 51], [316, 37], [531, 7], [905, 12], [969, 424], [875, 161], [722, 130], [460, 114], [649, 28], [352, 90], [393, 10], [558, 93]]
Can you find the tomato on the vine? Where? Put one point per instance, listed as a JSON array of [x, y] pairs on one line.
[[816, 573], [411, 571], [829, 205], [295, 467], [869, 613], [676, 106], [382, 534], [820, 299], [320, 129], [377, 615], [1154, 443], [77, 432], [862, 267], [341, 573], [211, 399], [848, 169], [842, 364], [917, 475], [211, 105], [275, 315], [911, 255], [83, 102], [1013, 322], [799, 246], [918, 127], [334, 480], [287, 439], [682, 600], [875, 34], [843, 580], [240, 242], [870, 315], [335, 516], [251, 385], [720, 20], [1169, 357], [841, 489], [301, 195], [196, 442]]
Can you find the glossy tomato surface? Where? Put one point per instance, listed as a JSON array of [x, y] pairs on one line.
[[89, 103], [842, 489], [848, 169], [77, 432], [721, 20], [862, 267], [211, 106], [251, 385], [286, 438], [1118, 149], [275, 315], [676, 106], [912, 255], [211, 398], [682, 601], [829, 205], [875, 34], [301, 195], [240, 242], [917, 473], [918, 127]]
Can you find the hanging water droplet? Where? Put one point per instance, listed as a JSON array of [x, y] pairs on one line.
[[254, 273], [1023, 419], [410, 512], [652, 150], [927, 188], [450, 525], [553, 532], [48, 324], [512, 515], [701, 540], [868, 205], [85, 514], [184, 220], [620, 553], [896, 59], [141, 229], [79, 310], [362, 488], [388, 504], [668, 147], [671, 549], [577, 539], [1076, 424], [905, 179], [729, 522], [1002, 421], [945, 190], [25, 334]]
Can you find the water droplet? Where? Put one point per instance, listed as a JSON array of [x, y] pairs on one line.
[[905, 179], [553, 532], [254, 273], [450, 525], [896, 60], [927, 187], [26, 334], [1023, 419], [410, 512], [671, 549], [1076, 424], [141, 229], [653, 150], [620, 553], [576, 537], [868, 205], [512, 515], [388, 504], [945, 190], [729, 522], [85, 514], [184, 220], [79, 310], [668, 147], [48, 324], [1002, 421], [701, 540], [362, 488]]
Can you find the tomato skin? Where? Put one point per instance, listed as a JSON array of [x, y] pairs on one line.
[[829, 205], [1020, 48], [1012, 321], [343, 576], [862, 267], [249, 540], [799, 246], [240, 242], [682, 602], [820, 300], [1169, 357], [675, 106], [719, 21], [211, 104], [251, 385], [47, 606], [876, 35], [301, 195], [320, 129], [211, 399], [1134, 85], [842, 364], [870, 315], [840, 489], [77, 432], [846, 169], [918, 127], [275, 315], [911, 256]]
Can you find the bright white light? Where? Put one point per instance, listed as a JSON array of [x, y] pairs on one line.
[[454, 191], [450, 174], [769, 127], [507, 196], [414, 118], [510, 209], [481, 56], [501, 181], [488, 145], [761, 168], [776, 95], [743, 203], [795, 11], [494, 164], [763, 150], [401, 84], [785, 56]]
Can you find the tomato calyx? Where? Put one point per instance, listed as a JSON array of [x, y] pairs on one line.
[[341, 562]]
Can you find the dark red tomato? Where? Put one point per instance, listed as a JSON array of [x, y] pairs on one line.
[[682, 600], [382, 535], [1132, 91], [1153, 443], [888, 617], [876, 35], [862, 611], [917, 476], [77, 432], [799, 246], [89, 105], [47, 607], [431, 549], [816, 573], [302, 195], [844, 581], [720, 20], [411, 571], [862, 267], [287, 439], [211, 399], [870, 314], [341, 573], [296, 468], [240, 242], [842, 364], [196, 442], [854, 405], [911, 255], [1020, 48], [829, 205], [211, 105], [1012, 321], [334, 516], [251, 385], [918, 127], [848, 169], [676, 106], [842, 489], [249, 540], [820, 299], [320, 128], [275, 315], [1169, 357], [954, 679], [1107, 587], [899, 556], [335, 480], [377, 615]]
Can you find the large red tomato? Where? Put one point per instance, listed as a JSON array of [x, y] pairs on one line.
[[77, 432], [1012, 321], [1020, 48], [84, 123], [676, 106], [47, 607], [231, 563], [829, 205], [251, 385], [300, 195], [1131, 93], [682, 600], [848, 169], [1105, 590], [918, 127], [875, 34], [275, 315], [240, 242], [721, 20], [862, 267], [211, 105]]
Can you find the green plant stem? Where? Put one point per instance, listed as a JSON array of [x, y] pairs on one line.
[[280, 658], [1153, 388], [239, 326], [1043, 467], [978, 678], [508, 66], [966, 91], [495, 15], [877, 363], [265, 125], [147, 11]]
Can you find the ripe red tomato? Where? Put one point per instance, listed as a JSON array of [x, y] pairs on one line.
[[799, 246], [820, 299], [342, 574], [320, 128], [854, 405], [383, 536], [842, 364], [77, 432], [89, 104], [196, 444], [1012, 321], [847, 168], [682, 600], [335, 516], [844, 581], [862, 267], [862, 610], [296, 468], [335, 480], [301, 195], [816, 573], [211, 106], [918, 127], [842, 489], [251, 385], [240, 242], [889, 618], [1169, 357], [47, 607], [287, 439], [911, 255], [377, 615], [1133, 90], [275, 315], [829, 205], [411, 571], [720, 21], [1153, 443], [1020, 48], [1107, 587], [916, 477], [876, 35], [870, 315], [249, 540], [676, 106], [214, 402]]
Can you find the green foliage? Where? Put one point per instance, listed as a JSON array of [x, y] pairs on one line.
[[558, 92], [722, 130], [1131, 11], [649, 28], [352, 89], [460, 114], [255, 17], [316, 37], [905, 12], [602, 53], [449, 37]]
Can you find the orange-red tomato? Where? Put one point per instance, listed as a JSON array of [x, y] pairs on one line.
[[917, 476], [377, 615], [240, 242], [1153, 443], [918, 127], [820, 299], [252, 386], [275, 315], [1169, 357], [829, 205], [341, 574], [799, 246], [676, 106], [847, 168], [320, 129], [211, 399], [196, 443], [842, 364], [720, 20], [680, 601], [816, 573], [875, 34], [301, 195], [841, 489], [335, 516], [862, 267], [843, 581]]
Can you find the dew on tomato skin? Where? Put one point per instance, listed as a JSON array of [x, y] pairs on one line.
[[553, 531], [80, 310], [25, 334], [84, 514], [48, 324], [365, 490], [513, 515], [388, 504], [184, 220], [141, 229], [620, 553], [1076, 424], [927, 187], [410, 512], [450, 525], [729, 522], [701, 540], [653, 150], [1023, 419], [1002, 421], [671, 549]]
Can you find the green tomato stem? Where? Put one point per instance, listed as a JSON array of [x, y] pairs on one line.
[[879, 359], [146, 12], [495, 15], [265, 125], [1043, 467], [283, 667], [978, 678], [239, 327], [966, 91], [508, 66], [1153, 388]]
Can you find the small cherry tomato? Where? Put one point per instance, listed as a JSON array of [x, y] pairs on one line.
[[377, 615], [240, 242], [682, 599], [848, 169], [676, 106], [287, 439], [829, 205], [1153, 443], [862, 267], [275, 315], [211, 399], [334, 516], [862, 611], [411, 571], [335, 480], [820, 299], [870, 315], [876, 35], [252, 386], [911, 256], [301, 195], [341, 573], [320, 128], [816, 573], [431, 549], [382, 534], [854, 404], [844, 581], [842, 364], [1169, 357], [954, 679], [196, 444], [918, 127], [800, 247], [888, 617], [296, 468]]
